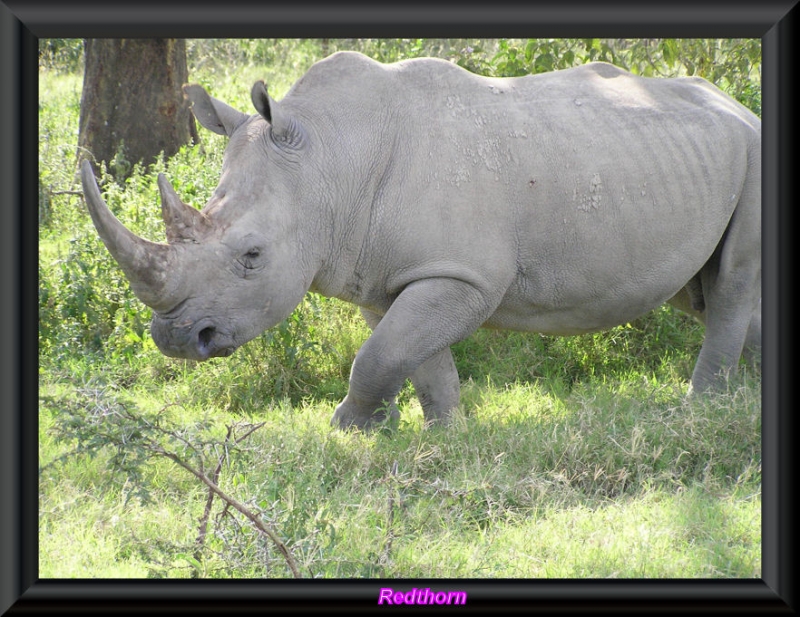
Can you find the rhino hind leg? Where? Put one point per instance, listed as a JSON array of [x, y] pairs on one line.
[[731, 286], [752, 342], [725, 342], [690, 299], [695, 290]]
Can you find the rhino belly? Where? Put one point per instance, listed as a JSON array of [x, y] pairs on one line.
[[576, 312]]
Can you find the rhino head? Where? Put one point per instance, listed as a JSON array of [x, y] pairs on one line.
[[237, 267]]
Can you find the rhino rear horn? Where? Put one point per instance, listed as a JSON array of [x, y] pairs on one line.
[[184, 223], [147, 265]]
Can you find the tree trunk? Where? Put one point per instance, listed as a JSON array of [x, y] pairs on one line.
[[132, 107]]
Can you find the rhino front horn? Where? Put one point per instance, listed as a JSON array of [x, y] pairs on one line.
[[146, 264]]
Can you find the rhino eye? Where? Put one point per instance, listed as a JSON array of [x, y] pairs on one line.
[[250, 258]]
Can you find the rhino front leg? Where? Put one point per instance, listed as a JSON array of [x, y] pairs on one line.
[[413, 340], [435, 381]]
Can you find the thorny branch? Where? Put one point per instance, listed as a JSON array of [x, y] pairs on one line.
[[237, 505], [139, 437], [201, 536]]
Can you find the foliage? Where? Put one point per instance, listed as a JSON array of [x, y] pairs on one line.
[[590, 433], [734, 65], [61, 55]]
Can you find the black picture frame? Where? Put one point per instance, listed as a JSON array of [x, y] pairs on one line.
[[23, 22]]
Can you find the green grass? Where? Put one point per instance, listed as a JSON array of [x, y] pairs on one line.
[[525, 485], [568, 457]]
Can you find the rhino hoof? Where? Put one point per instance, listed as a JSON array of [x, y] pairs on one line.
[[349, 417]]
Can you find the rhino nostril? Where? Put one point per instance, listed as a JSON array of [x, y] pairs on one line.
[[204, 337]]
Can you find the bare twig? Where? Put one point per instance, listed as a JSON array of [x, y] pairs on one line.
[[201, 535], [67, 193], [254, 428]]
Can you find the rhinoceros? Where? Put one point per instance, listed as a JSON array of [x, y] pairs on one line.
[[439, 201]]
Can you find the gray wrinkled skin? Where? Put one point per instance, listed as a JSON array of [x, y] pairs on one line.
[[440, 202]]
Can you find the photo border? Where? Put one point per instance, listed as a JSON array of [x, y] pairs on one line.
[[23, 23]]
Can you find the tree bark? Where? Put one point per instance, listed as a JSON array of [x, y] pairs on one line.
[[132, 106]]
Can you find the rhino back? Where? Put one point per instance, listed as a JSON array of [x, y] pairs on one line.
[[585, 196]]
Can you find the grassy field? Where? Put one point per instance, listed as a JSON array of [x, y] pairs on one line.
[[569, 457]]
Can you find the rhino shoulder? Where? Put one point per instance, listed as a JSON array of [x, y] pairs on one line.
[[603, 69], [338, 71], [349, 62]]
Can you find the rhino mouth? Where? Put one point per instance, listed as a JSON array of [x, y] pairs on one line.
[[192, 341]]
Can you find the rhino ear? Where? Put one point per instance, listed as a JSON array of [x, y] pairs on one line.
[[261, 100], [285, 130], [213, 114]]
